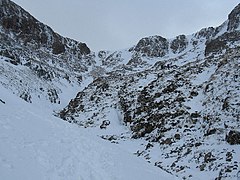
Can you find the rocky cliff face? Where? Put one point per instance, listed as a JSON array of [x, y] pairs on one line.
[[30, 31], [234, 19], [180, 95], [37, 62]]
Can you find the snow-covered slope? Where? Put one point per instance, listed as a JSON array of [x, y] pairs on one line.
[[36, 145]]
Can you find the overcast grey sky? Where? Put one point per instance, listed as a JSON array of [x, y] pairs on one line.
[[118, 24]]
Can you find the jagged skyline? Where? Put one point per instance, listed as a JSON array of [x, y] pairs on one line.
[[116, 25]]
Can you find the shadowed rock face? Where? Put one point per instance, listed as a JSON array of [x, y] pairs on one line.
[[155, 46], [179, 44], [29, 30], [234, 19], [58, 47], [14, 19], [46, 57], [84, 49], [217, 45]]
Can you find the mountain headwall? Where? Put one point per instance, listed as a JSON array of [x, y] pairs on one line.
[[180, 95]]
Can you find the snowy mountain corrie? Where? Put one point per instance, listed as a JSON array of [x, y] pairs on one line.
[[181, 95], [173, 102]]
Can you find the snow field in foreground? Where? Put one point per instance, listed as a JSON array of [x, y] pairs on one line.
[[36, 145]]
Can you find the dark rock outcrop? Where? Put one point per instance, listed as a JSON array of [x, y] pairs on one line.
[[234, 19], [179, 44], [223, 42], [233, 137], [155, 46], [29, 30], [58, 47]]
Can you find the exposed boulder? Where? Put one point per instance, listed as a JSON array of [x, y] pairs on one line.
[[104, 124], [233, 137]]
